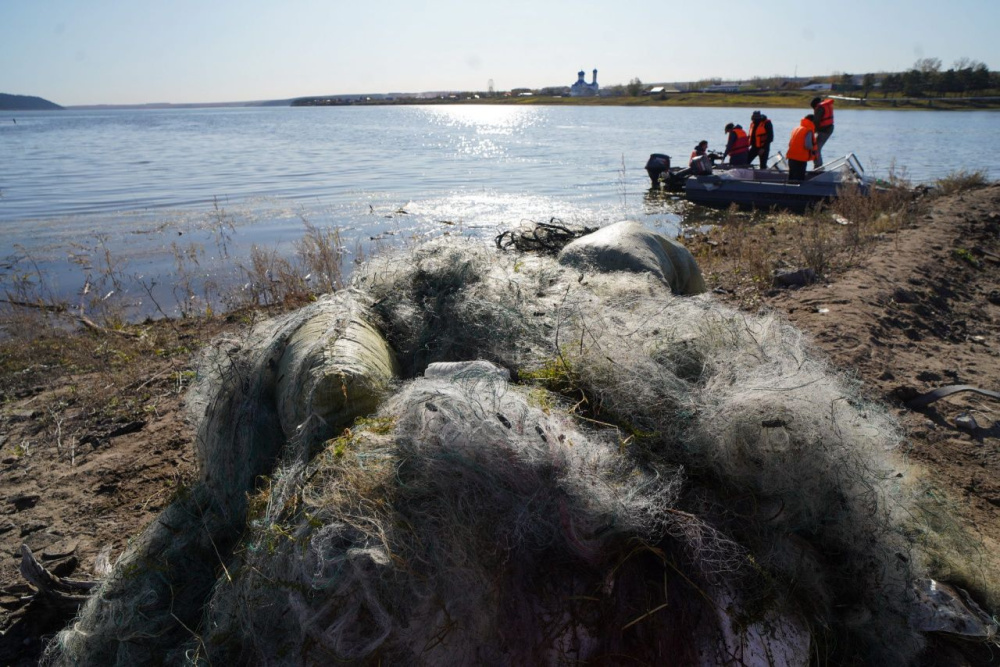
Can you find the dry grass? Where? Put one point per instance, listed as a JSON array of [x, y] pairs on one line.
[[744, 250], [818, 245], [111, 297], [321, 252], [270, 279], [960, 181], [740, 245]]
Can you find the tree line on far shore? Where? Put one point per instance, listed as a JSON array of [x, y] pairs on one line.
[[926, 77], [965, 76]]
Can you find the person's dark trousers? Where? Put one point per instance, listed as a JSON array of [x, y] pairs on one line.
[[739, 159], [796, 170], [822, 136], [763, 154]]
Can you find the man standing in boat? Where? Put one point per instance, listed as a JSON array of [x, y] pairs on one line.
[[761, 136], [738, 145], [823, 112], [801, 148]]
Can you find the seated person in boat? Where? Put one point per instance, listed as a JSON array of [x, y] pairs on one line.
[[701, 161]]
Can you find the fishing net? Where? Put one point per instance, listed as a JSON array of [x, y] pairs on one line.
[[578, 465], [544, 237], [151, 603]]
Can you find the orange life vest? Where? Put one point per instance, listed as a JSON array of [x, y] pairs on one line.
[[827, 106], [758, 133], [797, 149], [742, 143]]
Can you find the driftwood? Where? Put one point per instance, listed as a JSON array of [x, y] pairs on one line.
[[93, 326], [44, 605], [96, 439], [47, 307], [64, 593], [924, 400], [59, 308]]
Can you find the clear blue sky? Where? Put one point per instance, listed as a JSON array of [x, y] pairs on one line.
[[143, 51]]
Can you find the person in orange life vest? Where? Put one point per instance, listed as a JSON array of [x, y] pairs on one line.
[[801, 148], [823, 112], [700, 162], [738, 145], [761, 135]]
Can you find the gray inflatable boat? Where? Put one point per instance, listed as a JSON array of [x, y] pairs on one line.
[[770, 188]]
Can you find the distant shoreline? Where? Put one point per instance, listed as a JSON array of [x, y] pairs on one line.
[[778, 101], [758, 100], [762, 100]]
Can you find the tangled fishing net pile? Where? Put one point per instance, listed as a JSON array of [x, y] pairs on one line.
[[479, 457]]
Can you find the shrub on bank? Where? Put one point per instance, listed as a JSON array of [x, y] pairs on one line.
[[961, 180]]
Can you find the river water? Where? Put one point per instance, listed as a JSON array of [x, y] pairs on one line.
[[149, 195]]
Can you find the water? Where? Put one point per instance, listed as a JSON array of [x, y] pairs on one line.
[[164, 195]]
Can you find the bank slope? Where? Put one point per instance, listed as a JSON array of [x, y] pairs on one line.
[[26, 103]]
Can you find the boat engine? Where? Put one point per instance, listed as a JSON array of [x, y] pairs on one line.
[[657, 164]]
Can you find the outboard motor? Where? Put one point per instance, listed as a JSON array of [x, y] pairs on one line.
[[657, 164]]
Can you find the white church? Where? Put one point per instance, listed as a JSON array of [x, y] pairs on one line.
[[583, 89]]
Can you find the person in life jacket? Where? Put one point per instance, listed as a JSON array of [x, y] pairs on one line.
[[737, 146], [701, 161], [761, 135], [801, 148], [823, 112]]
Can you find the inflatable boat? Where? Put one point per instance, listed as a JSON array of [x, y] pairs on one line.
[[748, 187]]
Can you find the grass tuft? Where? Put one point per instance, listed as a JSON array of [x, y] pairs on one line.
[[961, 180]]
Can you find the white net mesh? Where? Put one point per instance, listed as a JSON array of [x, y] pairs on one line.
[[651, 456]]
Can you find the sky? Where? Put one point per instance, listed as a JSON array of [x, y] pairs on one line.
[[79, 52]]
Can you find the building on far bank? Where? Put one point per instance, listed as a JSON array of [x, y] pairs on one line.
[[661, 90], [722, 88], [583, 89], [817, 86]]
